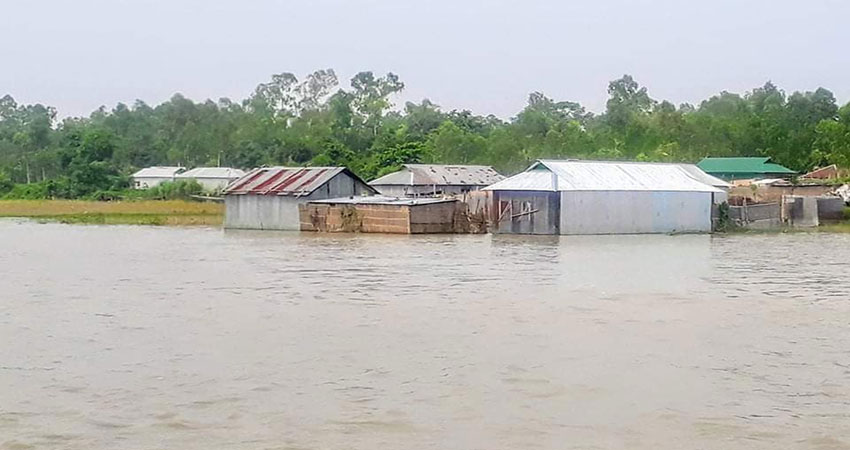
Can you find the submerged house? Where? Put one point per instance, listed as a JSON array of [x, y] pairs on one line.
[[745, 168], [416, 180], [823, 173], [595, 197], [212, 178], [154, 176], [267, 198], [380, 214]]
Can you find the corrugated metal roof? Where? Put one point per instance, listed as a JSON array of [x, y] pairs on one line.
[[530, 180], [440, 175], [603, 176], [703, 177], [158, 172], [213, 172], [381, 200], [296, 181], [746, 165]]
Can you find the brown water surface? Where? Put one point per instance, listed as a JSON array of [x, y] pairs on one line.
[[144, 337]]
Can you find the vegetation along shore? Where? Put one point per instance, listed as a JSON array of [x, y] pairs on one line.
[[146, 212], [318, 121]]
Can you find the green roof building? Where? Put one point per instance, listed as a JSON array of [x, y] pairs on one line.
[[744, 168]]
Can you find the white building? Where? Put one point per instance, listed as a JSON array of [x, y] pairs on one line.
[[415, 180], [597, 197], [213, 179], [154, 176], [267, 198]]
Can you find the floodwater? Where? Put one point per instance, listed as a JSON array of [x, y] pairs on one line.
[[145, 338]]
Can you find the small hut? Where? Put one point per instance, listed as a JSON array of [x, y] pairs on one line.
[[267, 198]]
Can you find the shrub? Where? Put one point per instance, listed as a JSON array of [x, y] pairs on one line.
[[32, 191], [109, 195], [6, 183], [724, 222], [177, 190]]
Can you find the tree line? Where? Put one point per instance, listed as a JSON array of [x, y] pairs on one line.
[[314, 121]]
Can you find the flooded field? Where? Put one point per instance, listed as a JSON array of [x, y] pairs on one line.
[[143, 338]]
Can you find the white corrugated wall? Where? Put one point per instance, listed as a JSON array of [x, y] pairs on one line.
[[634, 212], [262, 212]]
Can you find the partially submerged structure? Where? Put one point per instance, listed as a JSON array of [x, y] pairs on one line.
[[745, 168], [154, 176], [595, 197], [416, 180], [823, 173], [212, 178], [773, 189], [267, 198], [384, 215]]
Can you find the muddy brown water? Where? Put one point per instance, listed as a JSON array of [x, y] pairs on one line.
[[144, 338]]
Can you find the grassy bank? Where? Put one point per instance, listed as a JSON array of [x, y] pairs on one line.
[[841, 227], [150, 212]]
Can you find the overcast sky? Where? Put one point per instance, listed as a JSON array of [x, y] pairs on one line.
[[483, 55]]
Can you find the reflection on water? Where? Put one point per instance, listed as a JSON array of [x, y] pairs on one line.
[[134, 337]]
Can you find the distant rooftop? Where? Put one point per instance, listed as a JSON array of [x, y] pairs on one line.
[[440, 175], [213, 172], [158, 172], [381, 200], [743, 167]]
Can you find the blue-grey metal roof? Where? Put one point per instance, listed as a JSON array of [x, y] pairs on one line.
[[440, 175], [381, 200], [549, 175], [227, 173], [158, 172]]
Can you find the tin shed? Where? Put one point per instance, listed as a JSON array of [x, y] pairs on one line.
[[267, 198], [415, 180], [594, 197]]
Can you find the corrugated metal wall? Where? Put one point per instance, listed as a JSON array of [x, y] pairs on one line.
[[261, 212], [280, 212], [627, 212], [525, 212]]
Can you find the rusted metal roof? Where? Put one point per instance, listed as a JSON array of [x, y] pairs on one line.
[[440, 175], [295, 181], [548, 175]]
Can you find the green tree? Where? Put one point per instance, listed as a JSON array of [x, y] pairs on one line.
[[451, 144]]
